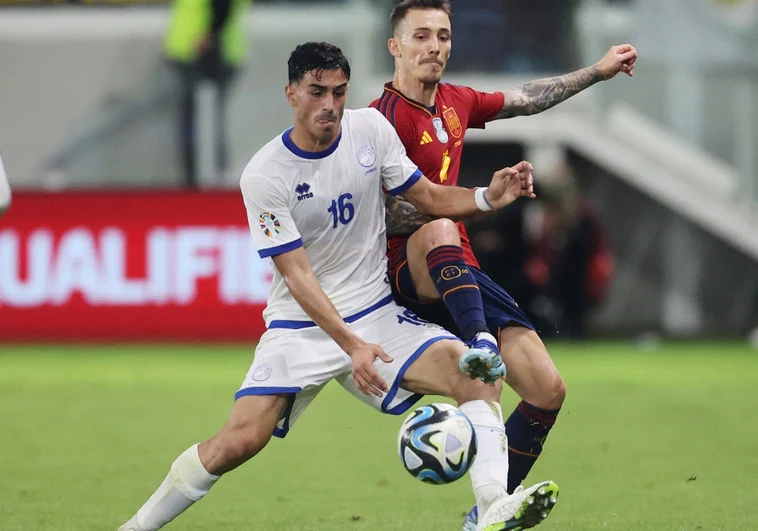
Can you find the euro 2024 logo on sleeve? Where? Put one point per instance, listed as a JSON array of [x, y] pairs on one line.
[[366, 156], [269, 224]]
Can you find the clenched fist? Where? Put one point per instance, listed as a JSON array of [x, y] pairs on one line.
[[619, 58]]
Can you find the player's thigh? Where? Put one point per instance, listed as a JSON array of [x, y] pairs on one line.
[[258, 413], [296, 364], [404, 337], [500, 309], [437, 372], [531, 371], [425, 361]]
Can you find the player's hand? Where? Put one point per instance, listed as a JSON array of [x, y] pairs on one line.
[[619, 58], [365, 375], [509, 184]]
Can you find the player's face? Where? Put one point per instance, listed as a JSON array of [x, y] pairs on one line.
[[421, 45], [319, 102]]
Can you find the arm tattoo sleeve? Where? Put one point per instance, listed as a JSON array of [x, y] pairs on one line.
[[541, 94], [402, 218]]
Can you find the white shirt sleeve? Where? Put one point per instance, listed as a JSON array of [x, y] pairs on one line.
[[398, 172], [269, 216], [5, 189]]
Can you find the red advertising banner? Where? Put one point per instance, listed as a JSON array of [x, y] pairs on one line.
[[130, 266]]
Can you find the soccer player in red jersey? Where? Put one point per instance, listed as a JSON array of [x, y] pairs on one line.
[[432, 267]]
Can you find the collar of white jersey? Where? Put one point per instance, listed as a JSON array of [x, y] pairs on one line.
[[289, 144]]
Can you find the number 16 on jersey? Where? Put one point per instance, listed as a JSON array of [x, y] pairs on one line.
[[342, 210]]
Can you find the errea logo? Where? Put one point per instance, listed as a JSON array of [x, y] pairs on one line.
[[303, 191]]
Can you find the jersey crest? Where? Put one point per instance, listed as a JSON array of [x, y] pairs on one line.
[[366, 156], [453, 123]]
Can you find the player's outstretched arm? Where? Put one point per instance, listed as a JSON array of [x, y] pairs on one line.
[[542, 94], [302, 283], [5, 190], [458, 203]]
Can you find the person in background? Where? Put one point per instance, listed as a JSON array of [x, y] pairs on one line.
[[570, 266], [205, 41], [551, 254]]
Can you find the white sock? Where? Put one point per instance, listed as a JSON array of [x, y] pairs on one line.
[[486, 336], [186, 483], [489, 473]]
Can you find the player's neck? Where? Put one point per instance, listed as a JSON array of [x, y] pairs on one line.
[[418, 91], [307, 142]]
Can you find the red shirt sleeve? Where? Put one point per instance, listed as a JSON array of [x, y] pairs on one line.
[[483, 106]]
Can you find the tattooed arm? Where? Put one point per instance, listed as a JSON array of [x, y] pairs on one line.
[[456, 203], [402, 218], [542, 94]]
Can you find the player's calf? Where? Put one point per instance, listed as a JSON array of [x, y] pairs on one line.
[[438, 270], [197, 469], [533, 375]]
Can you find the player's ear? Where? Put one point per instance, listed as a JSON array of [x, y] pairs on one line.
[[289, 91], [394, 47]]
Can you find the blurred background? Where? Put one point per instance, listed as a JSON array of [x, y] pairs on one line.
[[124, 142]]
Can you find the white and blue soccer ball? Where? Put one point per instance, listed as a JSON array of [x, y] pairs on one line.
[[437, 444]]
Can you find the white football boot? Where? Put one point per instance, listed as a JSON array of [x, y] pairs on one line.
[[523, 509]]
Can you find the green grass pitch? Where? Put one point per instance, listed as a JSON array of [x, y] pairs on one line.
[[662, 440]]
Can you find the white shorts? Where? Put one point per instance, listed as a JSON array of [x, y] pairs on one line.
[[299, 358]]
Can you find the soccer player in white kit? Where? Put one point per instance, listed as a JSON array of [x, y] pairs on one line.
[[5, 189], [315, 204]]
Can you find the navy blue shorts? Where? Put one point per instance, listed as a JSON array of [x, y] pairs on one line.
[[500, 310]]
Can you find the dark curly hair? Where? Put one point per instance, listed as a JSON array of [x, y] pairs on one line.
[[318, 56]]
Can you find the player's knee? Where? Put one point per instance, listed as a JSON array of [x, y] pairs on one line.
[[557, 392], [552, 392], [437, 233]]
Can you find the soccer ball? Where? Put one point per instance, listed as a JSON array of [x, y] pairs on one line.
[[437, 444]]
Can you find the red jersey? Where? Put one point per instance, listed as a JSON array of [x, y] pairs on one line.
[[433, 136]]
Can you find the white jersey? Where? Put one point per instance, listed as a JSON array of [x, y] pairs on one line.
[[331, 203]]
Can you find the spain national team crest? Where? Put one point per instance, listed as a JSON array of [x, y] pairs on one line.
[[269, 224], [453, 123], [440, 129]]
